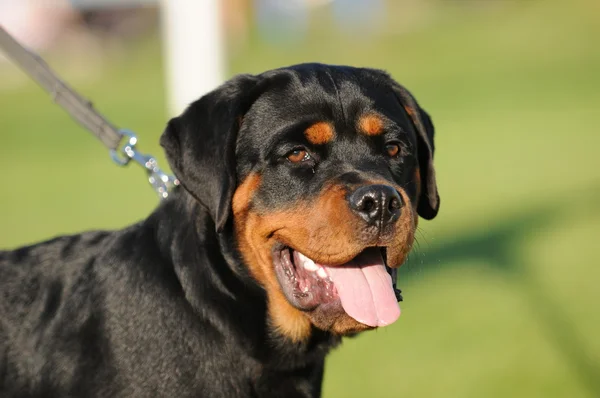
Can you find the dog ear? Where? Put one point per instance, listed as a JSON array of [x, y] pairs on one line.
[[200, 145], [429, 201]]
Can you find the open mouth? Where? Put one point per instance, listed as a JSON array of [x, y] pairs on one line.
[[364, 286]]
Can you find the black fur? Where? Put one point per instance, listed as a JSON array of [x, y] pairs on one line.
[[166, 307]]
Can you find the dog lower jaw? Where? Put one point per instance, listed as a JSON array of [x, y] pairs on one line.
[[305, 284], [295, 305], [368, 302]]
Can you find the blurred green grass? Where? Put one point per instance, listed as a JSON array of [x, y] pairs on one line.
[[502, 289]]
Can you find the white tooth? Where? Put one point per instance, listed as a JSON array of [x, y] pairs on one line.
[[307, 263], [310, 265], [321, 272]]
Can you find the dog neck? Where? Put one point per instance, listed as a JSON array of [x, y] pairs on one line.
[[219, 288]]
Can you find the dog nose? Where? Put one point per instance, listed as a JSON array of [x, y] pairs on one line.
[[376, 204]]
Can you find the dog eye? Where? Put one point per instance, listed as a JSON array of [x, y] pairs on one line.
[[298, 155], [393, 150]]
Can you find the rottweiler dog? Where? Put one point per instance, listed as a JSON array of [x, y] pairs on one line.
[[299, 198]]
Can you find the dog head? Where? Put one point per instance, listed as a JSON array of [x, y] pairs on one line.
[[319, 173]]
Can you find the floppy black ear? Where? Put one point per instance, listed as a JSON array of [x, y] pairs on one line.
[[429, 201], [200, 145]]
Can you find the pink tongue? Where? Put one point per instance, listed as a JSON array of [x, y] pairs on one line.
[[365, 289]]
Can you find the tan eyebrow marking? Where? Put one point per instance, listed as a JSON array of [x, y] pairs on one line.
[[319, 133], [370, 124]]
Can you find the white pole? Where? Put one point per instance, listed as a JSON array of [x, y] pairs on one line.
[[193, 48]]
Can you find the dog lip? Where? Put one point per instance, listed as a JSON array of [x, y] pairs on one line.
[[330, 259], [305, 288]]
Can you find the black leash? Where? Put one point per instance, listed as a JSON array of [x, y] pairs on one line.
[[84, 113]]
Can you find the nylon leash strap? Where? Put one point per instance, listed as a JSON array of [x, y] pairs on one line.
[[84, 113]]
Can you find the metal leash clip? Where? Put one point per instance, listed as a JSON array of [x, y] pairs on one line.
[[160, 181]]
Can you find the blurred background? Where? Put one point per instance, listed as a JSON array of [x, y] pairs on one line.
[[502, 291]]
